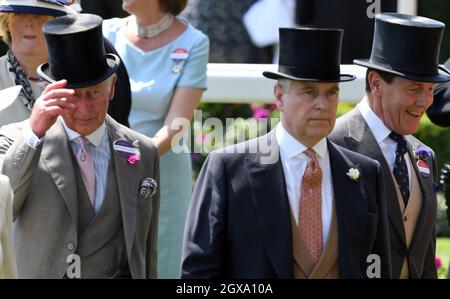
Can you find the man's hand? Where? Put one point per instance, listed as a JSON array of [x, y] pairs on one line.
[[52, 103]]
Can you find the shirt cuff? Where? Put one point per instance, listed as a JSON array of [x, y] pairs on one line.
[[30, 138]]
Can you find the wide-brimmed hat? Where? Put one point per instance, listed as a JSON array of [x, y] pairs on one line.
[[77, 51], [8, 96], [407, 46], [310, 54], [39, 7]]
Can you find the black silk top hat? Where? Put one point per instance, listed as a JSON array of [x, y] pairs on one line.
[[310, 54], [407, 46], [77, 51]]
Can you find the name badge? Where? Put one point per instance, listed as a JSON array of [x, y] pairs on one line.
[[124, 148], [423, 168]]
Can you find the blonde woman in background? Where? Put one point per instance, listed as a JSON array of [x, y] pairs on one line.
[[21, 24]]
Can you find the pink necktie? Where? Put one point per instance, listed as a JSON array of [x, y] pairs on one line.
[[86, 165], [310, 213]]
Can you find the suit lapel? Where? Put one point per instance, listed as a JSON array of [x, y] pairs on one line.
[[426, 186], [56, 155], [362, 140], [352, 222], [127, 184], [272, 208]]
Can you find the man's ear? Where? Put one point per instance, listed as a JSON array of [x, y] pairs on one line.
[[112, 87], [375, 83], [278, 93]]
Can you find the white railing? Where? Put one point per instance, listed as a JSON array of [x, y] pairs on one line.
[[244, 83]]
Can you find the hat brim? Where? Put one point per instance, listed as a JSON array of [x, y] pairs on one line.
[[442, 76], [33, 7], [8, 96], [113, 62], [278, 75]]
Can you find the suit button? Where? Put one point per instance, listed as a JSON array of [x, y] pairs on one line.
[[70, 246], [405, 218], [402, 253]]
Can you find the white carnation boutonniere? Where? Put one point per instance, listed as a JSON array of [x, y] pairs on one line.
[[353, 174]]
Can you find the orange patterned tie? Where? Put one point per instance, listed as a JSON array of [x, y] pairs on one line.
[[310, 213]]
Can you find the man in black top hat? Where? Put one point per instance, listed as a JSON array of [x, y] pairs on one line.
[[291, 204], [401, 75], [85, 187]]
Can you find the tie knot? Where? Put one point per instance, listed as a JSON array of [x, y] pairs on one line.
[[82, 141], [401, 142], [311, 154]]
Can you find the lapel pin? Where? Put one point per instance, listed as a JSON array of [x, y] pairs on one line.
[[423, 168]]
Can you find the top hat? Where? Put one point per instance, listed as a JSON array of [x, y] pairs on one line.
[[77, 51], [407, 46], [38, 7], [310, 54], [439, 111]]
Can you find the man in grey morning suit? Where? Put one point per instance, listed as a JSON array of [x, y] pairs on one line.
[[84, 185], [291, 204], [401, 75]]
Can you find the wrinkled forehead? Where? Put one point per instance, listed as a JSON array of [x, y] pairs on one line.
[[407, 82], [315, 85]]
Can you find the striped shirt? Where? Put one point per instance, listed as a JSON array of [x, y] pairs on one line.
[[100, 150]]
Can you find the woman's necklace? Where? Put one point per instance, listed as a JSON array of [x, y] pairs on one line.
[[155, 29]]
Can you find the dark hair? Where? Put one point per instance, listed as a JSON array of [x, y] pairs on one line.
[[173, 7], [387, 77]]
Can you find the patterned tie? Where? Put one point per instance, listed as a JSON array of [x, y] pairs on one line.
[[86, 165], [310, 213], [400, 168]]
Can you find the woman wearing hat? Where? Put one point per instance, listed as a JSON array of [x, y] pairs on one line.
[[166, 58], [20, 28]]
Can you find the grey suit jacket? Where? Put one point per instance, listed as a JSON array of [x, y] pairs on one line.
[[351, 131], [45, 207]]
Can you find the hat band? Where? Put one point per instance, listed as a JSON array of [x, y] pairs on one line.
[[410, 67], [318, 73], [32, 10]]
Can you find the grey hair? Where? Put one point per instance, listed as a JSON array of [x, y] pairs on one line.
[[285, 85]]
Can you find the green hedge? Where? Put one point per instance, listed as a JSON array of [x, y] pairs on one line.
[[438, 10]]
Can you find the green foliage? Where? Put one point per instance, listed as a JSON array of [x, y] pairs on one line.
[[442, 227], [438, 10], [443, 252]]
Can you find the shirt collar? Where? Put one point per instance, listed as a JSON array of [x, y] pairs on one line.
[[291, 147], [376, 125], [95, 138]]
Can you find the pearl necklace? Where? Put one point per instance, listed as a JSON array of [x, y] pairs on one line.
[[155, 29]]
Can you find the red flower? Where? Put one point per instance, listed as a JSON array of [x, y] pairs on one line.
[[261, 113], [133, 159], [438, 262]]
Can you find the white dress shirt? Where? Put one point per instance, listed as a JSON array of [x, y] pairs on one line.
[[294, 162], [101, 154], [381, 132]]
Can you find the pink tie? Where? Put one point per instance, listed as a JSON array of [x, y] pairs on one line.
[[310, 213], [86, 165]]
